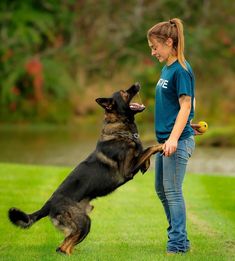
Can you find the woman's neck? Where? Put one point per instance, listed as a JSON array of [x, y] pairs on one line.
[[170, 60]]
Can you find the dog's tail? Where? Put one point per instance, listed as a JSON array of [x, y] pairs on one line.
[[23, 220]]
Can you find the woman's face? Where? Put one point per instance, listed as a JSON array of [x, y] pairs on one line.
[[162, 51]]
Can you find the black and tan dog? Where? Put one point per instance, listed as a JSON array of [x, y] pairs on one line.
[[117, 158]]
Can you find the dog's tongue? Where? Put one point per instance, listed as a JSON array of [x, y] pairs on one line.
[[136, 106]]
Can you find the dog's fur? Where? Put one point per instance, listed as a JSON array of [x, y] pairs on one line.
[[117, 158]]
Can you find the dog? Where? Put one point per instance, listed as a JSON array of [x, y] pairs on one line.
[[118, 156]]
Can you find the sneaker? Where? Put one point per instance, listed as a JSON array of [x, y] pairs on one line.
[[170, 253]]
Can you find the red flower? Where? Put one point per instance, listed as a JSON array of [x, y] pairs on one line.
[[34, 67], [15, 90]]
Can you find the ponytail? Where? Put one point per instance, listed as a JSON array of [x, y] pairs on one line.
[[171, 29], [180, 45]]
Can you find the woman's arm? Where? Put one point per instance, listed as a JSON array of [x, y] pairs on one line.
[[170, 145], [195, 126]]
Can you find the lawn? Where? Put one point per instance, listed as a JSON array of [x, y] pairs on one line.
[[127, 225]]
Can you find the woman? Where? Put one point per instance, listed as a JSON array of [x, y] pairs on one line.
[[174, 110]]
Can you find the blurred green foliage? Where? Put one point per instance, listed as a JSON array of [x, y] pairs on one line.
[[54, 52]]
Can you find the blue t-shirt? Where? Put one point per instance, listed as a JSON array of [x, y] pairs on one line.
[[174, 82]]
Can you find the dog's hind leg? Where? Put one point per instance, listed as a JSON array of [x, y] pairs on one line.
[[66, 246], [76, 236]]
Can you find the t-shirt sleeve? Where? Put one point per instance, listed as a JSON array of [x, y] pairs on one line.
[[183, 83]]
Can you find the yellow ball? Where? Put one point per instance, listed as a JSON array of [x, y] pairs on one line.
[[203, 126]]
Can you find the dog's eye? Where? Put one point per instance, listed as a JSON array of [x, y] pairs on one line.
[[124, 94]]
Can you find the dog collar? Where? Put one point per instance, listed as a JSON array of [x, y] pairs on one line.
[[125, 134]]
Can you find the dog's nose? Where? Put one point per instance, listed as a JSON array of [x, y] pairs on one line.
[[134, 88], [137, 86]]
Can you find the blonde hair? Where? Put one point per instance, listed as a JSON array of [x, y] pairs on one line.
[[171, 29]]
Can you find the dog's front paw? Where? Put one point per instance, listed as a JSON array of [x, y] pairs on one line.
[[145, 166]]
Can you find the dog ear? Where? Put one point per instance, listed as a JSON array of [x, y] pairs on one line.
[[106, 103]]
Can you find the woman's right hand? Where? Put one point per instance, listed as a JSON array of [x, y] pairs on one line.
[[169, 147]]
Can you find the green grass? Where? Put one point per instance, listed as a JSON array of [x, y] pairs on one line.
[[127, 225]]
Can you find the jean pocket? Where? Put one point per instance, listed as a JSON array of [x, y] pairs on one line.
[[190, 145]]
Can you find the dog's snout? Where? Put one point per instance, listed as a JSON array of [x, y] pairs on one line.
[[134, 88], [137, 86]]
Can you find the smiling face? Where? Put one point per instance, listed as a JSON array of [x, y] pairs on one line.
[[163, 51]]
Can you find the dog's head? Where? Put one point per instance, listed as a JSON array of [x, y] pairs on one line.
[[120, 102]]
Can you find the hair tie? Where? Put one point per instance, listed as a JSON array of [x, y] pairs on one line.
[[172, 23]]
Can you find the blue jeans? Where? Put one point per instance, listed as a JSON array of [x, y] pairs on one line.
[[169, 176]]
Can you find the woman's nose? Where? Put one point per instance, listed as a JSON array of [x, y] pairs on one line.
[[153, 52]]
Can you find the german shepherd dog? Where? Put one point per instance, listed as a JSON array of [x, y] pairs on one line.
[[118, 156]]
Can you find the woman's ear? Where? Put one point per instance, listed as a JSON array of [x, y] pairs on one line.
[[169, 42]]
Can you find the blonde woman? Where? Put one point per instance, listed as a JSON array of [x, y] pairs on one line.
[[174, 110]]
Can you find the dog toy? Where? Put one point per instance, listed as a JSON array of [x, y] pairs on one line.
[[203, 126]]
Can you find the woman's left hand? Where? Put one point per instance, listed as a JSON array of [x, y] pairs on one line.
[[195, 127], [169, 147]]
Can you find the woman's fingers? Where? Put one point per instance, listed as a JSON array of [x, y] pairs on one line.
[[169, 149]]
